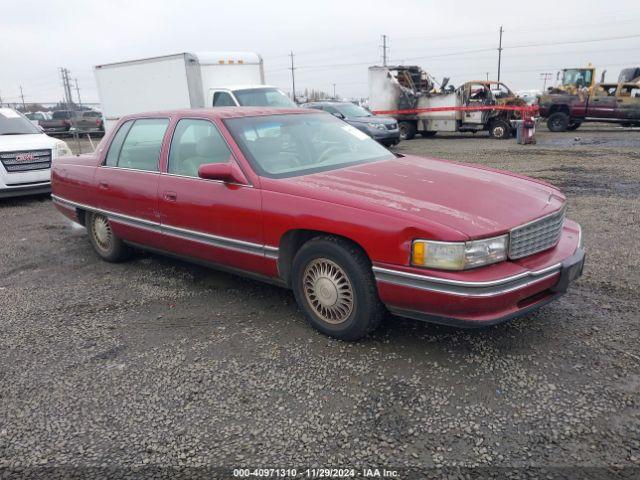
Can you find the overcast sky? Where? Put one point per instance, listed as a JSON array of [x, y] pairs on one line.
[[334, 40]]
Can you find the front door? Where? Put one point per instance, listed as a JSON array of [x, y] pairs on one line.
[[211, 220], [127, 181], [603, 102]]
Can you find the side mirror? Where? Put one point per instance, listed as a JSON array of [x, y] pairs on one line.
[[338, 114], [226, 172]]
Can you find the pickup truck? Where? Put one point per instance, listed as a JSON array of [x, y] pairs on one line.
[[299, 198], [25, 156], [60, 123], [610, 103]]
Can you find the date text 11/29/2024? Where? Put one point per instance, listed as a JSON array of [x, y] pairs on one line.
[[368, 472]]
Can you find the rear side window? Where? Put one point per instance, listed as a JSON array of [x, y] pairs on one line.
[[223, 99], [116, 144], [90, 114], [141, 148], [196, 142]]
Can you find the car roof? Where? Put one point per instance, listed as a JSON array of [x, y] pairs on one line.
[[223, 112]]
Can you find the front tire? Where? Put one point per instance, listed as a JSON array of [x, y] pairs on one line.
[[573, 125], [407, 130], [335, 288], [106, 244], [558, 122], [500, 129]]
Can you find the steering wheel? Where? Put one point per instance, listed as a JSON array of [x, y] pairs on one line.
[[330, 150]]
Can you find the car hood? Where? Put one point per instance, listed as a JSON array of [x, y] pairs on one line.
[[475, 201], [12, 143]]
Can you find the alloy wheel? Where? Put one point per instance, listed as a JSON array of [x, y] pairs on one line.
[[328, 291]]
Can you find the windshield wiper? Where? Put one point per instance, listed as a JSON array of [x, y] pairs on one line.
[[15, 133]]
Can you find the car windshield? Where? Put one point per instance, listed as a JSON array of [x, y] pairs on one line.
[[291, 145], [13, 123], [351, 110], [263, 97]]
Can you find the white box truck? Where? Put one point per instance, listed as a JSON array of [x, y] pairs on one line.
[[184, 80]]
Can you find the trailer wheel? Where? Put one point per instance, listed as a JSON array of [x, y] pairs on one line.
[[500, 129], [428, 133], [573, 125], [407, 130], [558, 122]]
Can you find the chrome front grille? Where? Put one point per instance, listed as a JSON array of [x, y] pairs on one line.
[[26, 160], [536, 236]]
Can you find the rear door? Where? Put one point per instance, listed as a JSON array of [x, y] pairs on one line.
[[127, 181], [208, 219]]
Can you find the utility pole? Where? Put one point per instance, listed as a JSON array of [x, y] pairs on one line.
[[293, 78], [384, 50], [64, 73], [0, 100], [500, 52], [22, 97], [545, 76], [78, 92], [487, 76], [334, 91]]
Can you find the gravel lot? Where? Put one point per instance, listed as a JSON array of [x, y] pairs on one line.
[[156, 363]]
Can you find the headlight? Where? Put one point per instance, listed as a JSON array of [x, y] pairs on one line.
[[459, 255], [62, 149], [377, 126]]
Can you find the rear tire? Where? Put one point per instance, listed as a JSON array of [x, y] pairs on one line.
[[106, 244], [558, 122], [335, 288], [407, 130], [500, 129]]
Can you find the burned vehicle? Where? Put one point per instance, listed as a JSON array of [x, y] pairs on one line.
[[409, 87], [603, 102]]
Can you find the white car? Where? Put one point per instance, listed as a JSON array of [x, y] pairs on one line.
[[25, 155]]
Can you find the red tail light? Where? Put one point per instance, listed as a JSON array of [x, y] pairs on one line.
[[98, 122]]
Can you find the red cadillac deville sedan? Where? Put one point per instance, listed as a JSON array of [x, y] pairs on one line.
[[301, 199]]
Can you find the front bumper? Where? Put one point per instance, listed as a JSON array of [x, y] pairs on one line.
[[23, 190], [385, 136], [486, 298]]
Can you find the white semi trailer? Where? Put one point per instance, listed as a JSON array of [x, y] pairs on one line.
[[184, 80]]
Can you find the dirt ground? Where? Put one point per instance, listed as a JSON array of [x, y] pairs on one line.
[[138, 367]]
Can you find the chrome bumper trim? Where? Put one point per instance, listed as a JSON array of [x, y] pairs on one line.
[[462, 288]]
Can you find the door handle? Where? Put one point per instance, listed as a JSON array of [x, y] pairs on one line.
[[103, 185], [170, 196]]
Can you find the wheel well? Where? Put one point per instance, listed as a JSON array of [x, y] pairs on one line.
[[291, 242], [559, 108], [82, 216]]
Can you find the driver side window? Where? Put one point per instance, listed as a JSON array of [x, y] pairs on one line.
[[196, 142]]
